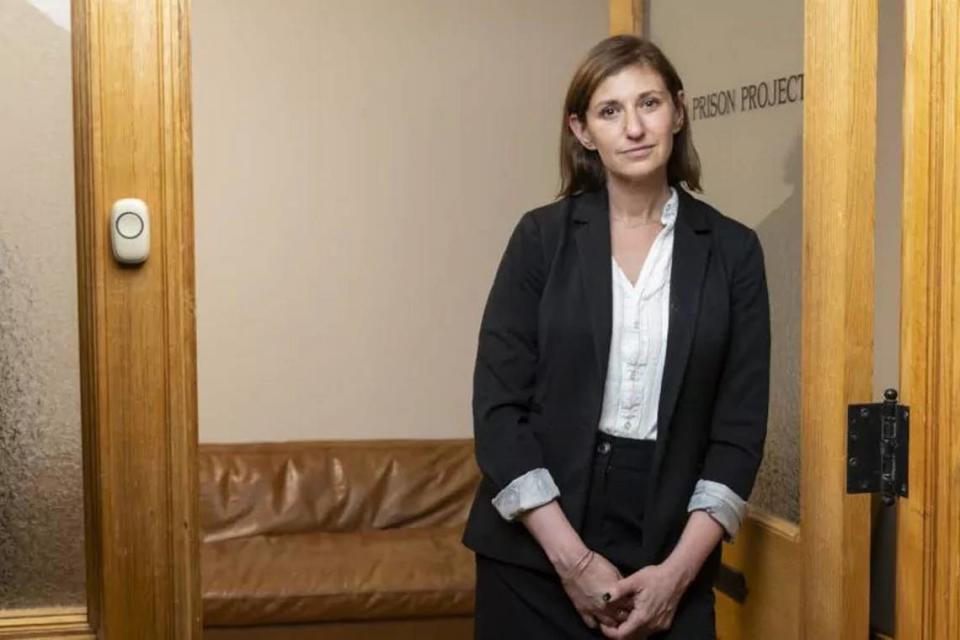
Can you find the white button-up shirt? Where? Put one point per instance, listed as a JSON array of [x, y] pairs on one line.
[[631, 393], [638, 340]]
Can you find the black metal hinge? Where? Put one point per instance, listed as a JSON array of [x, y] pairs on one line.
[[732, 583], [878, 438]]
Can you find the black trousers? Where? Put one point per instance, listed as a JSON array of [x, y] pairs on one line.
[[515, 602]]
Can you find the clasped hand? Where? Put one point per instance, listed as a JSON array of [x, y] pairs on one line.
[[631, 608], [586, 582], [651, 596]]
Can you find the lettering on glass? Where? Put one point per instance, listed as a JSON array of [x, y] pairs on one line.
[[749, 97]]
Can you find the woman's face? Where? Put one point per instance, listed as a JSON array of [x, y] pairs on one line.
[[631, 122]]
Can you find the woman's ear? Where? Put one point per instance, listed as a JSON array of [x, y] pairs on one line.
[[580, 130]]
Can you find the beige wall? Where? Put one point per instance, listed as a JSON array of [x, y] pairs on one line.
[[886, 351], [886, 336], [359, 166]]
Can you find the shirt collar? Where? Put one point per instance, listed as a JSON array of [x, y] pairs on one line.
[[669, 215]]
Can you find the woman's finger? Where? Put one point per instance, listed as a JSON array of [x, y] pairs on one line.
[[637, 619], [663, 621], [589, 620], [623, 588], [606, 620]]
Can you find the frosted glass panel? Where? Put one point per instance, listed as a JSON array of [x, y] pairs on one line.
[[742, 66], [41, 493]]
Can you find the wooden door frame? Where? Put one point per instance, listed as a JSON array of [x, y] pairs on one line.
[[827, 553], [928, 542], [137, 325], [132, 138], [627, 16], [839, 178]]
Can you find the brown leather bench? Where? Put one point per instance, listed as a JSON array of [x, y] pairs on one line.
[[340, 540]]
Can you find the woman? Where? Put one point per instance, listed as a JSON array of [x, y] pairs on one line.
[[621, 383]]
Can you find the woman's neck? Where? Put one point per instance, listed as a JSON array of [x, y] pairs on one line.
[[637, 201]]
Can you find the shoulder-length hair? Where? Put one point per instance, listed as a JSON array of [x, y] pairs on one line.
[[581, 169]]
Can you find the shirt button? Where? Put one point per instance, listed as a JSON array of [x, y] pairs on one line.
[[603, 448]]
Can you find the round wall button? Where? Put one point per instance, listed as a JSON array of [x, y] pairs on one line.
[[129, 225]]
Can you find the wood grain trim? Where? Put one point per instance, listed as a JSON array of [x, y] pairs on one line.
[[789, 531], [34, 629], [928, 549], [84, 33], [67, 632], [839, 155], [768, 553], [18, 615], [626, 16], [132, 138], [65, 622], [180, 312]]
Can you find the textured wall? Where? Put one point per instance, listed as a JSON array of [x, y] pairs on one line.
[[41, 499]]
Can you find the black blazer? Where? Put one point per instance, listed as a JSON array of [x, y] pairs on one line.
[[542, 359]]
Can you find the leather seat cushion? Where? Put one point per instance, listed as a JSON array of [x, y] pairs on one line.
[[313, 577], [268, 488]]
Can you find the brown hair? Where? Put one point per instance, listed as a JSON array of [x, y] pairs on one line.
[[581, 169]]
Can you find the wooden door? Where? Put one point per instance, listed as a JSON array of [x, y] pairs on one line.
[[812, 580], [928, 550], [131, 106]]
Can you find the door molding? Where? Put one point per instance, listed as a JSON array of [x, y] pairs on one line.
[[928, 542], [626, 16], [57, 623], [839, 172], [137, 327]]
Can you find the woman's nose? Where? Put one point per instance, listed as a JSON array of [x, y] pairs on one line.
[[633, 124]]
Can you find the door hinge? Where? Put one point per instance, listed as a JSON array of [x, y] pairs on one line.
[[878, 438], [732, 583]]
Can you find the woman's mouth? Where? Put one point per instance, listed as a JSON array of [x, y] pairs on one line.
[[638, 152]]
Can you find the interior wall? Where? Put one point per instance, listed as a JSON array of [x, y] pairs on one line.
[[886, 327], [358, 169], [890, 61]]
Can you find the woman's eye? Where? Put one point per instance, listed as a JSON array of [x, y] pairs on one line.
[[607, 112], [651, 102]]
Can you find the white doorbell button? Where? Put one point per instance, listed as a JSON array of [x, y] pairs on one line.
[[130, 230]]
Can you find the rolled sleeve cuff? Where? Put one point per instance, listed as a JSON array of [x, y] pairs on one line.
[[723, 505], [533, 489]]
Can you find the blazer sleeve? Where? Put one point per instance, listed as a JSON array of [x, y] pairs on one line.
[[739, 422], [504, 374]]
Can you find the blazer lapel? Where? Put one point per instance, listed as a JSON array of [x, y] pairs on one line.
[[691, 250], [593, 243]]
